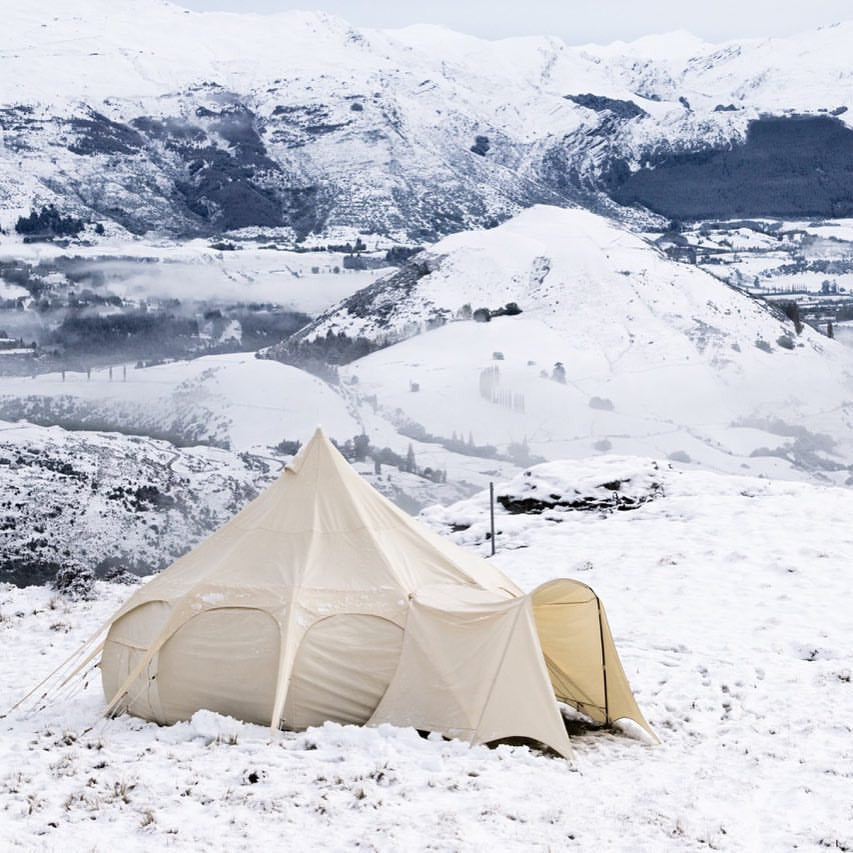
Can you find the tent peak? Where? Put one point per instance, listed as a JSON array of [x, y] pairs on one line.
[[319, 441]]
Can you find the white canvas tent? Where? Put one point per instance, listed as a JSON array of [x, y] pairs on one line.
[[321, 600]]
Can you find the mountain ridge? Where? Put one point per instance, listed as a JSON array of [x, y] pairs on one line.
[[185, 124]]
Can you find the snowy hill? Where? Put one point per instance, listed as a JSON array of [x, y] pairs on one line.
[[615, 348], [232, 401], [91, 502], [76, 504], [167, 120], [723, 595]]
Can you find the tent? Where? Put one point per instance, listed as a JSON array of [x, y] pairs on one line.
[[321, 601]]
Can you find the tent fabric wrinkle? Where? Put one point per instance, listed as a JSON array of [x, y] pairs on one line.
[[321, 600]]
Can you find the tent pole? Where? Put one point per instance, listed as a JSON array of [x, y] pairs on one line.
[[603, 660], [492, 513]]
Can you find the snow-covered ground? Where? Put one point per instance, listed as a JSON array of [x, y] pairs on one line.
[[102, 502], [235, 400], [727, 597]]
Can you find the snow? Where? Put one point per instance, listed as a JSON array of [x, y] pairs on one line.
[[144, 43], [660, 358], [237, 400], [725, 595]]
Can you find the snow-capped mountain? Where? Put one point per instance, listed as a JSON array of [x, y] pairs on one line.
[[140, 115]]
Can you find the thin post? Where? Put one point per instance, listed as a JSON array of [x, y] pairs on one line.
[[603, 661], [492, 513]]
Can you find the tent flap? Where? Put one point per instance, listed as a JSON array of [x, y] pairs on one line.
[[470, 667]]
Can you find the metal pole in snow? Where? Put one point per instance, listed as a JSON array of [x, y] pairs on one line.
[[492, 513]]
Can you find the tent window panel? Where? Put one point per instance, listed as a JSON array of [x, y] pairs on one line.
[[342, 670], [223, 660]]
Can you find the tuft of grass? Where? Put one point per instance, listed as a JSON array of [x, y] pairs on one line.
[[121, 791]]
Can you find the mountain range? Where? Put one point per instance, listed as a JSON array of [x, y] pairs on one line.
[[138, 116]]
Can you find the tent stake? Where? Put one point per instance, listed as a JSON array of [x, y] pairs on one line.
[[492, 513]]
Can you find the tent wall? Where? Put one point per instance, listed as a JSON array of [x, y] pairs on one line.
[[127, 643]]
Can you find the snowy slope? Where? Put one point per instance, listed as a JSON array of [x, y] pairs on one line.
[[658, 357], [168, 120], [233, 401], [101, 502], [723, 595]]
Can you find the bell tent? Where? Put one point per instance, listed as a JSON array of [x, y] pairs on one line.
[[321, 601]]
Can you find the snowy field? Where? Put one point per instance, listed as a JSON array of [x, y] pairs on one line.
[[728, 599], [234, 399]]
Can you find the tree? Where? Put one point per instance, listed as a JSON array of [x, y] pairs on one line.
[[410, 460], [360, 447], [792, 312], [48, 223], [830, 332]]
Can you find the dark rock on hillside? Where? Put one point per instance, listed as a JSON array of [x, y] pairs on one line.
[[481, 145], [599, 103]]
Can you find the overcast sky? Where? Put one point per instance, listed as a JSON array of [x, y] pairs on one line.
[[576, 21]]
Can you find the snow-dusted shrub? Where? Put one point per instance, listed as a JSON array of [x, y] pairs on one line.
[[75, 581]]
